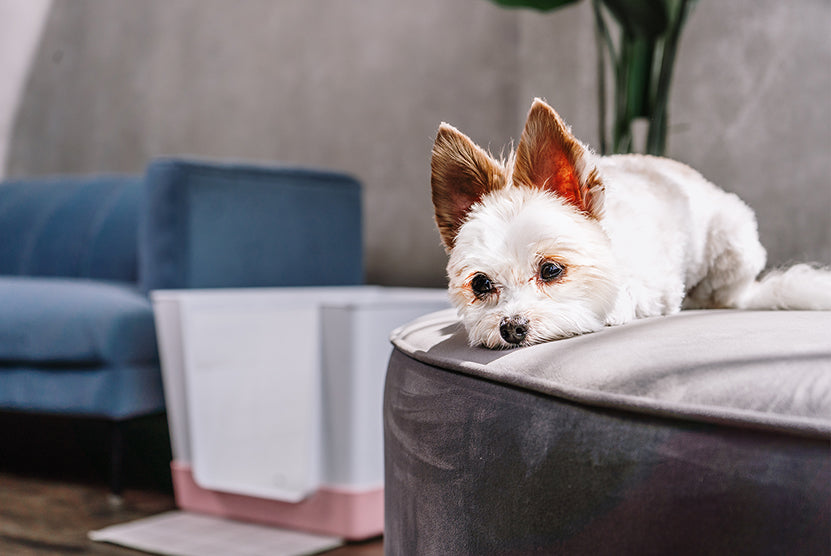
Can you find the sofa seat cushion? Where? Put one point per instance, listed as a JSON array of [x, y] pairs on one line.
[[74, 322], [755, 369]]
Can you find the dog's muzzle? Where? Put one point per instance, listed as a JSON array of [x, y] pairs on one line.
[[513, 329]]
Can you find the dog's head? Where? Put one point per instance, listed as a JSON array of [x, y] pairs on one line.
[[528, 258]]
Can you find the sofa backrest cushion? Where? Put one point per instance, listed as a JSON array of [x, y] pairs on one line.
[[71, 227], [213, 224]]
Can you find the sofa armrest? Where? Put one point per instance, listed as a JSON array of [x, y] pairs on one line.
[[205, 225]]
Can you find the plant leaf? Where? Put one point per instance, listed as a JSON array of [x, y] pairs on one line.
[[639, 78], [641, 18], [541, 5]]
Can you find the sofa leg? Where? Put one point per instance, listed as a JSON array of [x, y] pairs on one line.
[[116, 461]]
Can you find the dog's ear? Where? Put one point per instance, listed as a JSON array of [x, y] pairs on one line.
[[551, 158], [461, 174]]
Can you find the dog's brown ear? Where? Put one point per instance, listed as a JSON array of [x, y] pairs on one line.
[[461, 174], [551, 158]]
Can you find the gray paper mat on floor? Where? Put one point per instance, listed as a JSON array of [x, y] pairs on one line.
[[179, 533]]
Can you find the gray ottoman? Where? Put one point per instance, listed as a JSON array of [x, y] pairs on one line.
[[707, 432]]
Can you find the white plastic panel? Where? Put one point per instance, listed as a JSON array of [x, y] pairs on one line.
[[253, 376], [273, 392]]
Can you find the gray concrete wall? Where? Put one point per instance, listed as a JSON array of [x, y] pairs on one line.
[[752, 109], [355, 86], [362, 86]]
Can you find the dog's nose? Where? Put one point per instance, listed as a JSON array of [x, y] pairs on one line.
[[513, 329]]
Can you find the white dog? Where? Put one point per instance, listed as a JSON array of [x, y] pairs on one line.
[[557, 241]]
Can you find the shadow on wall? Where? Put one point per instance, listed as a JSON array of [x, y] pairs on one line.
[[21, 26]]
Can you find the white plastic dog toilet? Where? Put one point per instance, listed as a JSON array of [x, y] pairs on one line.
[[274, 400]]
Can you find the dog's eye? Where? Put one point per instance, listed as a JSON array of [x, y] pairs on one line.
[[481, 285], [550, 271]]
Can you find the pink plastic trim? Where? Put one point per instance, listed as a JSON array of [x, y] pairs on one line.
[[351, 515]]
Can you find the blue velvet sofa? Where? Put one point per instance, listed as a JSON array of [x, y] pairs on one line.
[[79, 255]]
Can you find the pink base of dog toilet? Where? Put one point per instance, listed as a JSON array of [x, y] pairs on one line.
[[350, 515]]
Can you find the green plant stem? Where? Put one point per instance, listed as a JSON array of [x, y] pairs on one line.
[[642, 64], [622, 130], [602, 41], [656, 140]]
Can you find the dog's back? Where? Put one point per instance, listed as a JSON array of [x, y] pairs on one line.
[[677, 233]]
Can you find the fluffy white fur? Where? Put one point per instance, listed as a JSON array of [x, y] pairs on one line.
[[635, 236]]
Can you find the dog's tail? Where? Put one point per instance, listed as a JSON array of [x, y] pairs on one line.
[[800, 287]]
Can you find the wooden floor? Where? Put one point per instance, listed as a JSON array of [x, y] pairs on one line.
[[48, 516], [53, 487]]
